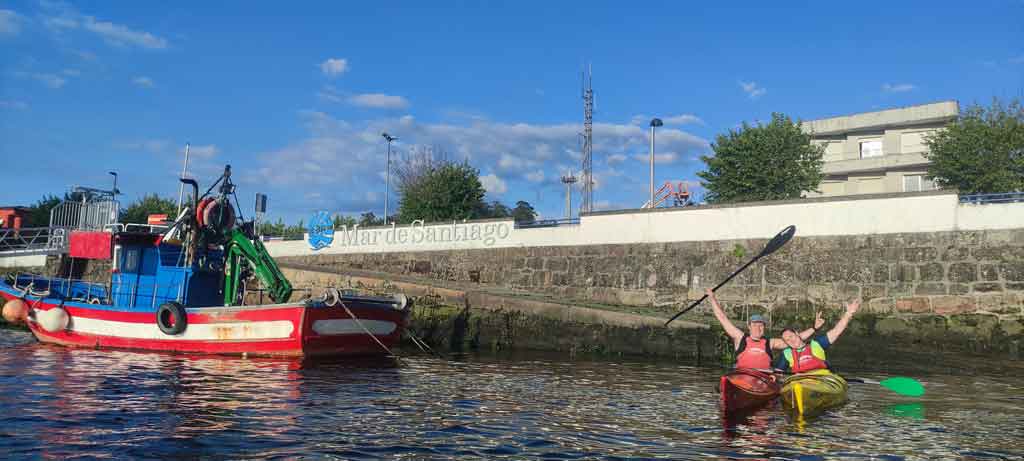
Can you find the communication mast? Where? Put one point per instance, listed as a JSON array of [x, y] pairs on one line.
[[587, 179]]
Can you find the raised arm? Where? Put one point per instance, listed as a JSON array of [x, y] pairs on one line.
[[778, 343], [735, 333], [818, 323], [837, 330]]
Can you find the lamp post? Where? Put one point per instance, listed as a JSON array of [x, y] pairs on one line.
[[654, 124], [114, 191], [387, 176], [568, 180], [181, 186]]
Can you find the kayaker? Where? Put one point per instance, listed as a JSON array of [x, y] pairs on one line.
[[751, 350], [800, 356]]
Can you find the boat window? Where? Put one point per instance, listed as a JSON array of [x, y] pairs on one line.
[[131, 260]]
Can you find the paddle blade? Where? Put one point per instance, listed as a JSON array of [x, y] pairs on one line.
[[903, 386], [778, 241]]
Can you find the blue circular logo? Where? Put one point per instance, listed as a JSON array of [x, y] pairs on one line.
[[321, 230]]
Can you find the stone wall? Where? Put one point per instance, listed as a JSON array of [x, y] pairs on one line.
[[950, 289]]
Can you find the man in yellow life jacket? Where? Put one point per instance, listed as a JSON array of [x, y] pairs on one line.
[[801, 356], [754, 349]]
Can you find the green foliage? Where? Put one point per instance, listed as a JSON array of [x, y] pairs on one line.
[[280, 229], [39, 213], [982, 151], [496, 209], [347, 221], [139, 211], [369, 219], [764, 162], [524, 213], [739, 251], [443, 192]]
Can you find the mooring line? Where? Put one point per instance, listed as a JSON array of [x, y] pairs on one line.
[[364, 328]]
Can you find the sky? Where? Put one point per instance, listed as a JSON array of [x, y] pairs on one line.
[[295, 96]]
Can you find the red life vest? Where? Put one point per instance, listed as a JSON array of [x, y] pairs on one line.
[[807, 359], [754, 353]]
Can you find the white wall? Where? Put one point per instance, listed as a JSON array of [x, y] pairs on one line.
[[884, 214], [23, 261]]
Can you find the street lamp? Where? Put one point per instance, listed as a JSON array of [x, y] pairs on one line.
[[387, 180], [114, 192], [656, 122]]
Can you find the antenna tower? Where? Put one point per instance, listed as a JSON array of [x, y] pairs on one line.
[[587, 179]]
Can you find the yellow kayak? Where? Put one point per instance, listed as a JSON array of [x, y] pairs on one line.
[[811, 393]]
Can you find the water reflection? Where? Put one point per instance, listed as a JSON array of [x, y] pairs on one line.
[[128, 405]]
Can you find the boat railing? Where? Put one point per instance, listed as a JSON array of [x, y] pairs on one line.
[[78, 290], [90, 216], [133, 227]]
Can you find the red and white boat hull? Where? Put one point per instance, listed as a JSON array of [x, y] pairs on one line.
[[268, 330]]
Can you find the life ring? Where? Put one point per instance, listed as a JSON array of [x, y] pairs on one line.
[[171, 318], [200, 208]]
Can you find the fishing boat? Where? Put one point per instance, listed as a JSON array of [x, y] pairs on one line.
[[183, 288], [811, 393], [745, 389]]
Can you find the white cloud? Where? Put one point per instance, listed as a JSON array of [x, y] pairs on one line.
[[753, 89], [615, 158], [334, 67], [51, 80], [71, 72], [68, 18], [898, 87], [681, 119], [143, 82], [85, 55], [19, 105], [378, 101], [493, 184], [535, 176], [206, 151], [506, 151], [10, 23], [659, 157]]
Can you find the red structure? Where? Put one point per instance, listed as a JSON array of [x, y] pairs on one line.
[[13, 217]]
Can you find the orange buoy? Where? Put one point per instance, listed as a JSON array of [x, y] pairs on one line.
[[15, 311]]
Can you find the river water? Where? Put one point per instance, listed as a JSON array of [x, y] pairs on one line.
[[63, 403]]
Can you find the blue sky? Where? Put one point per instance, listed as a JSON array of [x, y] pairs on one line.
[[295, 96]]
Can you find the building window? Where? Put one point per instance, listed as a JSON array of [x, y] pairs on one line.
[[916, 183], [131, 260], [871, 148]]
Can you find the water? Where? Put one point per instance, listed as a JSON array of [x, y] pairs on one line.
[[66, 403]]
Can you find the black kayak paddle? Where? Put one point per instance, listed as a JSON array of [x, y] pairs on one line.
[[774, 244]]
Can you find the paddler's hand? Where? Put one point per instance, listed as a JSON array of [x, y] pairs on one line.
[[819, 321], [853, 307]]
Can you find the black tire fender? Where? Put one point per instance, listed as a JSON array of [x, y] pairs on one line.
[[171, 318]]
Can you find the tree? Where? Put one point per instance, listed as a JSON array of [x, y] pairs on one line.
[[496, 209], [524, 213], [369, 219], [346, 221], [764, 162], [443, 191], [39, 213], [139, 211], [982, 151]]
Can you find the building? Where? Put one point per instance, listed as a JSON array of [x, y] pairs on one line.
[[13, 217], [877, 152]]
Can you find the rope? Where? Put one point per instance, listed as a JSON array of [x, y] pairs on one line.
[[342, 303]]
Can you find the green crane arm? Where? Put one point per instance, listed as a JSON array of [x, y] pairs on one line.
[[240, 246]]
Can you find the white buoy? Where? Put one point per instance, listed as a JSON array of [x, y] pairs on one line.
[[53, 320]]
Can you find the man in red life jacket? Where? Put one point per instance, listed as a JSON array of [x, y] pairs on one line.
[[801, 356], [754, 349]]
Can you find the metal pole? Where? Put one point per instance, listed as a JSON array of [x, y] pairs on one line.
[[387, 183], [568, 201], [651, 203], [181, 185]]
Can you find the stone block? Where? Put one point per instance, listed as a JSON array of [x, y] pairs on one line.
[[846, 291], [998, 303], [920, 254], [989, 272], [915, 305], [947, 305], [892, 326], [556, 264], [959, 288], [930, 288], [535, 262], [873, 291], [904, 273], [880, 305], [931, 272], [1012, 271], [1012, 327], [956, 253], [986, 287], [975, 326], [1015, 286], [900, 289], [880, 273], [963, 272]]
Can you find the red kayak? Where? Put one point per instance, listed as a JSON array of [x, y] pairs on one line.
[[745, 389]]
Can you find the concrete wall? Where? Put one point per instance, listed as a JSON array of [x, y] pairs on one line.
[[837, 216]]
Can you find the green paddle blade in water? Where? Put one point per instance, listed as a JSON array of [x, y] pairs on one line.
[[903, 386]]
